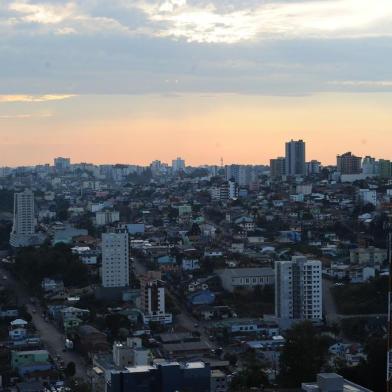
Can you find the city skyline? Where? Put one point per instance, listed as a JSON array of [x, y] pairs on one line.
[[196, 195], [170, 161], [122, 81]]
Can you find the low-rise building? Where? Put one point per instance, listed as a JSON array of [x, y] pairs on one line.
[[218, 381], [190, 264], [106, 217], [52, 285], [22, 358], [332, 382], [246, 278], [171, 376], [243, 326], [369, 256]]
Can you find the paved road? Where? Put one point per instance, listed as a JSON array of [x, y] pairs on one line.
[[330, 309], [52, 338], [184, 319]]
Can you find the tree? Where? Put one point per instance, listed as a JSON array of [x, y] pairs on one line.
[[303, 355], [231, 358], [115, 323], [195, 230], [5, 229], [79, 386], [70, 370], [371, 372], [34, 264], [86, 222], [362, 298], [252, 375], [6, 200], [62, 206]]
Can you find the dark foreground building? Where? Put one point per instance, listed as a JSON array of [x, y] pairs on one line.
[[166, 377]]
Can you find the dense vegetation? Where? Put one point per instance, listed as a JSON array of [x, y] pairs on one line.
[[5, 230], [34, 264], [362, 298], [6, 201], [360, 328], [251, 376], [248, 303], [303, 355], [370, 373]]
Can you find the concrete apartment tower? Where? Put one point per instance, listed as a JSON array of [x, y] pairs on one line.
[[178, 165], [152, 290], [298, 289], [115, 259], [295, 158], [23, 229]]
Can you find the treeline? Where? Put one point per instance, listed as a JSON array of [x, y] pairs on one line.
[[362, 298], [34, 264], [6, 201]]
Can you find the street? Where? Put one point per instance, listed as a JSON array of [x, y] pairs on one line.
[[330, 310], [51, 337], [184, 319]]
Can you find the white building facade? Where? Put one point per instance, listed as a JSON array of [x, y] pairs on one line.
[[106, 217], [178, 165], [24, 220], [298, 289], [153, 299], [115, 259]]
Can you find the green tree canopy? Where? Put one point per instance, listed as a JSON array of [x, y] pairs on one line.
[[252, 375], [303, 355], [34, 264], [70, 370]]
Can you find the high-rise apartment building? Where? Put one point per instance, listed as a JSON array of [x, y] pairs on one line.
[[367, 196], [385, 168], [115, 259], [295, 158], [243, 175], [313, 167], [298, 289], [23, 229], [5, 171], [348, 163], [225, 191], [370, 166], [62, 164], [152, 289], [277, 167], [178, 165]]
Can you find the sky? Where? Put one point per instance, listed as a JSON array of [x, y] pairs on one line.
[[131, 81]]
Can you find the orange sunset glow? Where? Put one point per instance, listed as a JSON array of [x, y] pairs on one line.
[[245, 129]]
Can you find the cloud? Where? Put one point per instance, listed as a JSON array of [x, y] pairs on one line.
[[241, 21], [33, 98], [43, 13], [363, 83], [171, 5], [23, 116], [213, 21], [272, 47]]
